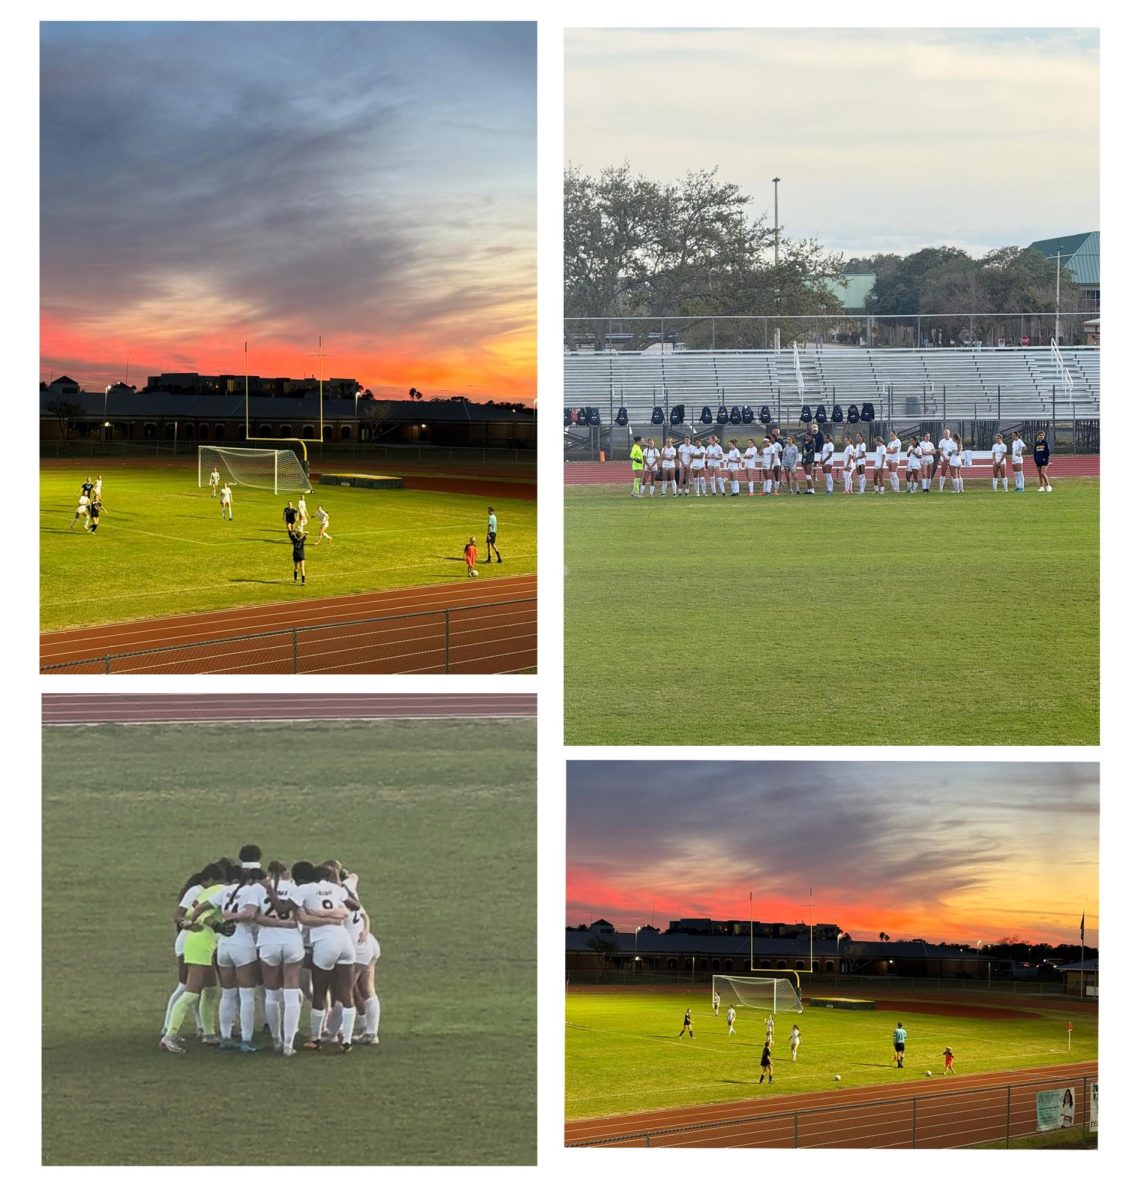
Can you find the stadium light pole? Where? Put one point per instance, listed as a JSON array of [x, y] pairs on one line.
[[775, 181], [1057, 324], [636, 947], [105, 391]]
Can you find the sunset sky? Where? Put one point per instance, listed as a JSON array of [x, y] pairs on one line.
[[208, 184], [945, 851], [883, 139]]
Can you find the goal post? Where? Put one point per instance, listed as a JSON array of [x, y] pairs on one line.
[[775, 993], [276, 470]]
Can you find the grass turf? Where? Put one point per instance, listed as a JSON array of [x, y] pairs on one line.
[[163, 547], [438, 818], [622, 1052], [844, 620]]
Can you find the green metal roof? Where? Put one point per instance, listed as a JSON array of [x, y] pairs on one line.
[[1080, 253]]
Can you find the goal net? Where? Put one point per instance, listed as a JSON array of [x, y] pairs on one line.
[[757, 991], [279, 470]]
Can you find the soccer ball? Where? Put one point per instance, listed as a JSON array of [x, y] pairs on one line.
[[474, 572], [837, 1078], [929, 1072]]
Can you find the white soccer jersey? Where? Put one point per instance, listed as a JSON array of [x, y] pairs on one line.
[[860, 454], [321, 897], [231, 901], [927, 448], [714, 455], [827, 454], [686, 451], [669, 458], [82, 503], [751, 457], [214, 477], [894, 449], [733, 457], [966, 458], [1018, 453], [302, 507], [323, 516], [879, 456], [848, 455], [225, 495], [285, 929], [650, 458], [190, 896], [999, 452], [948, 447]]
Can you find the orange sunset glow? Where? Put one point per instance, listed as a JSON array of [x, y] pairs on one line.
[[946, 852], [290, 181]]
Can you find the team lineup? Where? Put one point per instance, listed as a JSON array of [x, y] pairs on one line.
[[294, 932], [706, 468]]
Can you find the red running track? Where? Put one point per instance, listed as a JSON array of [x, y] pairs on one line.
[[150, 708], [942, 1112], [491, 630], [1065, 466]]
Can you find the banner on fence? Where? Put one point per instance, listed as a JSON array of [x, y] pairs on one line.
[[1055, 1109], [1092, 1105]]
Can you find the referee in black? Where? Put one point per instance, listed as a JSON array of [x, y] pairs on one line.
[[298, 538]]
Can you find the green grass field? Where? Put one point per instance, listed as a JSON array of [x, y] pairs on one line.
[[439, 819], [163, 547], [893, 620], [622, 1052]]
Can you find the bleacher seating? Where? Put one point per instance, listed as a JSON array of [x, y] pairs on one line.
[[953, 384]]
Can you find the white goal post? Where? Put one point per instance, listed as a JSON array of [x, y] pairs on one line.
[[771, 992], [279, 470]]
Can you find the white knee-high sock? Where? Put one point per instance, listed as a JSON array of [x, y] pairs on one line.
[[317, 1016], [372, 1015], [349, 1015], [246, 1013], [226, 1009], [291, 1015], [274, 1013]]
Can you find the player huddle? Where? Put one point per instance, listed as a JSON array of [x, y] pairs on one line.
[[289, 931], [706, 468], [89, 506]]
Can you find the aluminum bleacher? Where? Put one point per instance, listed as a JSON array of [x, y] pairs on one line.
[[1008, 384]]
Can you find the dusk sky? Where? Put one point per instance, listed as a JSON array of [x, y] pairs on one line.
[[945, 851], [208, 184], [884, 139]]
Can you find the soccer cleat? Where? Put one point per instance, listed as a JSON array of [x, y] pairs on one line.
[[208, 1039], [345, 1047], [248, 1048], [288, 1051], [1040, 489], [228, 1043], [1049, 488], [171, 1045], [312, 1044], [365, 1039]]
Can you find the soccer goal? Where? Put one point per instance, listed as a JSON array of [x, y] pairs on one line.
[[251, 467], [758, 991]]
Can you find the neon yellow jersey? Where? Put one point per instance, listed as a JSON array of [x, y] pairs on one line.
[[636, 455], [205, 939]]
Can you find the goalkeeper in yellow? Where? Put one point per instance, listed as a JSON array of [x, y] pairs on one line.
[[636, 457], [198, 955]]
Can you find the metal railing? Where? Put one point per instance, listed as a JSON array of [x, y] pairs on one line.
[[970, 1117], [490, 639]]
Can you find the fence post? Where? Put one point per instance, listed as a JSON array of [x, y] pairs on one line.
[[107, 664], [294, 650], [447, 641], [647, 1138]]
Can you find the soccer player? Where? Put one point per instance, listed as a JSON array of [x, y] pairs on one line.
[[715, 1003], [211, 874], [97, 508], [765, 1062], [808, 453], [212, 479], [491, 538], [894, 451], [650, 466], [734, 461], [82, 510], [955, 465], [635, 457], [860, 463], [767, 465], [947, 1054], [471, 558], [848, 456], [303, 513], [323, 526], [730, 1019], [790, 464], [290, 515], [1041, 454], [1017, 458], [687, 1025], [927, 449], [913, 465], [715, 472], [751, 465], [667, 468], [87, 487], [280, 955], [827, 463], [945, 448], [198, 951], [999, 451], [795, 1040], [225, 498], [686, 454], [879, 465], [770, 1027], [330, 902], [366, 999], [699, 468], [900, 1044], [298, 553], [97, 489]]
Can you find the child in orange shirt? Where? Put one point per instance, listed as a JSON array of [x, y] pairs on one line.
[[471, 558], [948, 1056]]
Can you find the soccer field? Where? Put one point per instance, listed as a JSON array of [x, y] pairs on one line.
[[163, 547], [439, 820], [844, 620], [623, 1053]]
